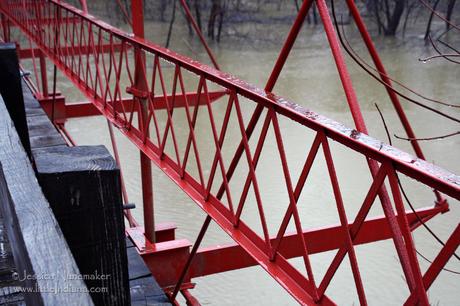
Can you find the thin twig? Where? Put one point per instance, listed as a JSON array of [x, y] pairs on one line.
[[437, 56], [410, 203], [125, 13], [439, 51], [384, 124], [383, 82], [428, 138], [445, 269], [360, 61], [171, 23], [448, 46], [439, 15]]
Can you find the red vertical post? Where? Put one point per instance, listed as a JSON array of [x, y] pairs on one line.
[[84, 6], [6, 28], [43, 74], [141, 84], [137, 15]]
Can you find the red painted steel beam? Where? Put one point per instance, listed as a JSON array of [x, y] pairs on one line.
[[185, 269], [420, 170], [6, 28], [140, 84], [47, 21], [383, 75], [417, 169], [86, 79], [84, 50], [163, 232], [389, 88], [438, 263], [84, 6], [191, 300], [166, 259], [43, 73], [212, 260], [86, 109], [411, 274], [56, 104], [27, 4]]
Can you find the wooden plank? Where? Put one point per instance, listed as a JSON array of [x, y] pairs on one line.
[[11, 91], [42, 132], [144, 288], [144, 292], [39, 248], [32, 106], [82, 185]]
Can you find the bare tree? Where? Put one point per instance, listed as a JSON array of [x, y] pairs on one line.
[[388, 14], [163, 6], [450, 9], [217, 11], [197, 7]]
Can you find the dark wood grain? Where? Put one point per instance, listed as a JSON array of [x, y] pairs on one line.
[[42, 132], [32, 106], [38, 245], [11, 91], [82, 185]]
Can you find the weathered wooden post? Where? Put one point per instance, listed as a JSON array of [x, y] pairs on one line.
[[41, 254], [11, 91], [82, 185]]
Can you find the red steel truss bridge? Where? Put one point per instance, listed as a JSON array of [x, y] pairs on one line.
[[140, 88]]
